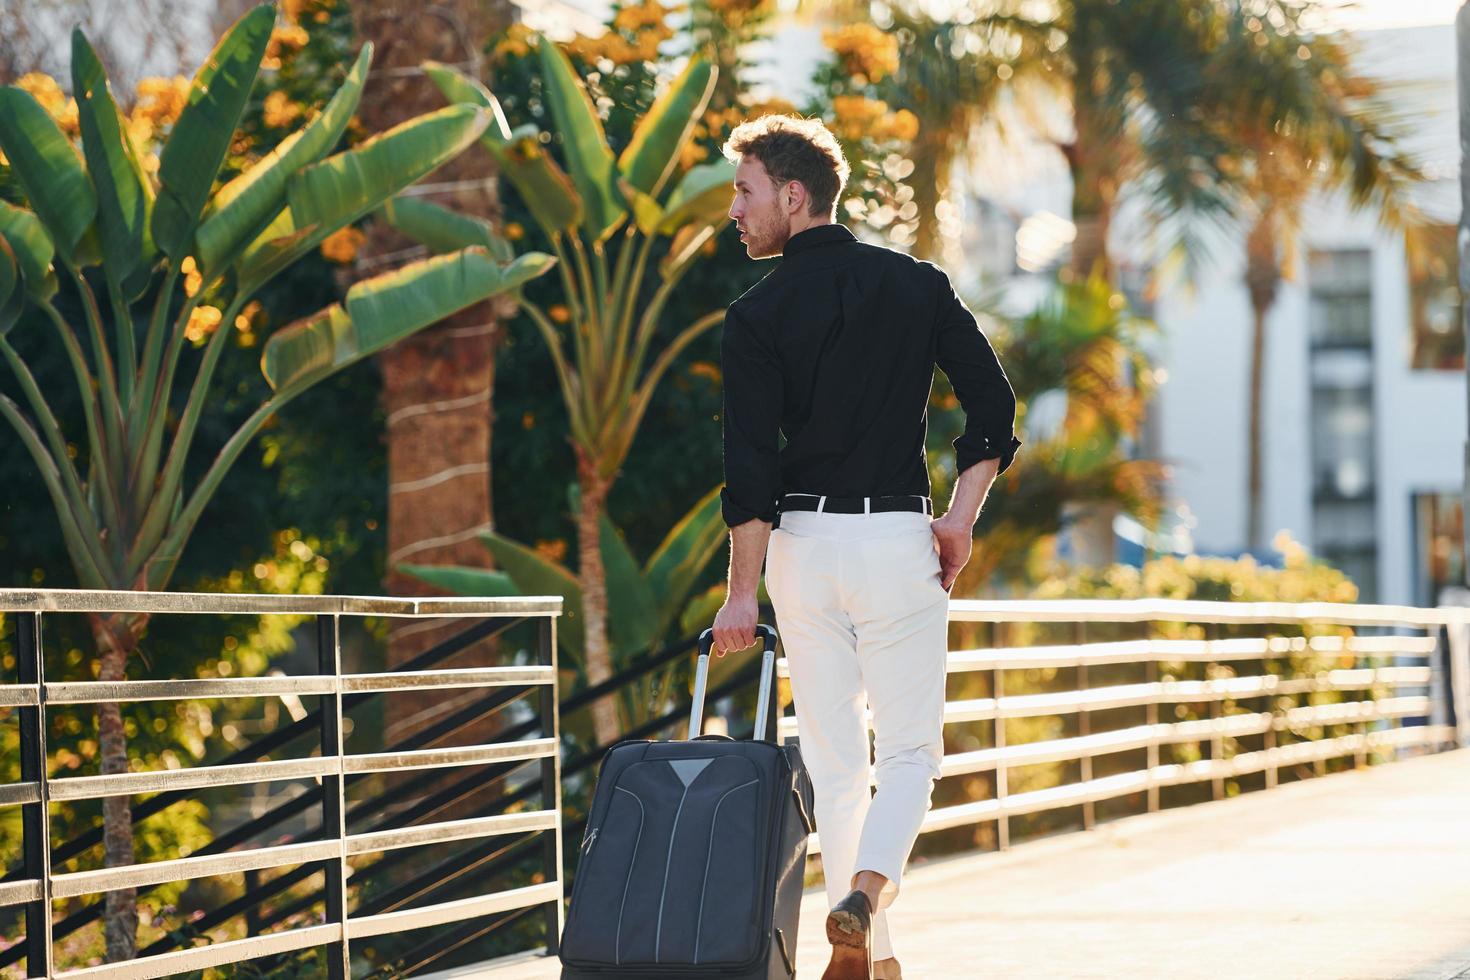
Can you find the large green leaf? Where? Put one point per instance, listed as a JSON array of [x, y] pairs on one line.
[[545, 187], [33, 250], [684, 554], [463, 581], [631, 605], [48, 167], [442, 230], [12, 294], [653, 153], [385, 309], [252, 197], [542, 184], [124, 193], [342, 188], [535, 575], [199, 140], [703, 195], [461, 88], [589, 158]]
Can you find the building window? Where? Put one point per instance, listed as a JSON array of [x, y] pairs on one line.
[[1439, 545], [1438, 340], [1340, 369], [1341, 289]]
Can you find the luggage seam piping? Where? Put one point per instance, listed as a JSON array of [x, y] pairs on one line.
[[658, 932], [704, 882], [618, 936]]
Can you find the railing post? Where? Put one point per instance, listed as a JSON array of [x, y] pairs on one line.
[[1084, 724], [35, 817], [1002, 821], [1151, 718], [1269, 742], [1217, 740], [329, 663], [551, 781]]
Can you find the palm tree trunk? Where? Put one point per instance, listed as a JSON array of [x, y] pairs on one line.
[[438, 385], [1263, 276], [117, 637], [929, 181], [593, 579]]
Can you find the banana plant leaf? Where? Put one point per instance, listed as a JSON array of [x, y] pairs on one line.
[[545, 187], [33, 250], [239, 208], [12, 291], [442, 230], [380, 311], [703, 195], [462, 580], [653, 152], [48, 168], [124, 192], [548, 192], [459, 87], [200, 138], [342, 188], [535, 575], [589, 158], [633, 612], [686, 551]]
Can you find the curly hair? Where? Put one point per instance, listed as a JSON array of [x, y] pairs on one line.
[[794, 148]]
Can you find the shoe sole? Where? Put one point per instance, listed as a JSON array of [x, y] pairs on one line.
[[849, 942]]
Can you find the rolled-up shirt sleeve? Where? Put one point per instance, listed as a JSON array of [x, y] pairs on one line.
[[751, 421], [965, 356]]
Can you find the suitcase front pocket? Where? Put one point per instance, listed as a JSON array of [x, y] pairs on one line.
[[673, 874]]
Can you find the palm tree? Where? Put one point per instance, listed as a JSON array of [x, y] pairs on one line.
[[1308, 122]]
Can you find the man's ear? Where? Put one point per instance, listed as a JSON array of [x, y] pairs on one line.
[[793, 196]]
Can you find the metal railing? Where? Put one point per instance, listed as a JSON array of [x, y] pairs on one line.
[[1375, 708], [333, 767]]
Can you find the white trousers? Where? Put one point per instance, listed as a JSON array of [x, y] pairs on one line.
[[863, 619]]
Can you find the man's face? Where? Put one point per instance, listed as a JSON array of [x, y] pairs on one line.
[[757, 211]]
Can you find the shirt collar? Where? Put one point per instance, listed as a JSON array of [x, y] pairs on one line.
[[807, 238]]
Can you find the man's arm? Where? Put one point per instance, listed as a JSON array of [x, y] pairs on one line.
[[987, 446], [735, 624], [752, 425], [955, 531]]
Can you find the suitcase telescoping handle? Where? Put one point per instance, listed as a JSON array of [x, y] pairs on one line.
[[767, 636]]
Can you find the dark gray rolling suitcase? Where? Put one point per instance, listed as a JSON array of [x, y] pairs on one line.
[[694, 854]]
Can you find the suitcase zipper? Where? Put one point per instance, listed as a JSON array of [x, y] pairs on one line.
[[591, 839]]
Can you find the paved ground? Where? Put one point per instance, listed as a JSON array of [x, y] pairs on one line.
[[1356, 876]]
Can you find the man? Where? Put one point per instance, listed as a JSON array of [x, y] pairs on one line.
[[835, 349]]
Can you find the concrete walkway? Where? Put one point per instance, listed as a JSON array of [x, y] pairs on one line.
[[1360, 875]]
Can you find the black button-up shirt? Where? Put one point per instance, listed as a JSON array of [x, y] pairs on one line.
[[835, 349]]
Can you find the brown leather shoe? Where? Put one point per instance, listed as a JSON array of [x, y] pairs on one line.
[[850, 931]]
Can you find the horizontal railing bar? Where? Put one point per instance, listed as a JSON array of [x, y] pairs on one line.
[[94, 692], [94, 787], [1189, 651], [182, 869], [105, 601], [466, 677], [449, 830], [215, 954], [464, 908], [18, 892], [17, 695], [467, 755], [14, 794], [1198, 611]]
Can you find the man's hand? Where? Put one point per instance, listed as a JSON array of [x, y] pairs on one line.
[[735, 624], [955, 538]]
